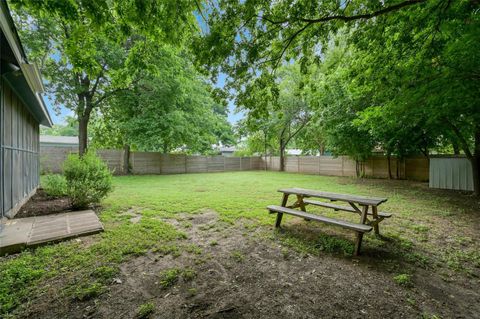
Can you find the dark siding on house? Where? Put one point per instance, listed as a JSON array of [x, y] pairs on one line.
[[19, 153]]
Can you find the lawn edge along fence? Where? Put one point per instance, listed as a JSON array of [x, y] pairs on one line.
[[51, 159]]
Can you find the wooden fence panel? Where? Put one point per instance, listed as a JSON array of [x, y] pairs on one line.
[[257, 163], [113, 159], [197, 164], [216, 164], [308, 164], [417, 168], [349, 167], [245, 163], [330, 166], [291, 164], [173, 164], [146, 162], [232, 163]]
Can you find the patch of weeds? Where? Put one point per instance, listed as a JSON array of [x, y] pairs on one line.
[[193, 249], [331, 244], [169, 277], [188, 274], [462, 260], [186, 224], [213, 243], [88, 291], [419, 259], [145, 310], [104, 273], [206, 227], [464, 240], [286, 253], [418, 228], [411, 301], [192, 291], [429, 316], [202, 260], [404, 280], [238, 256]]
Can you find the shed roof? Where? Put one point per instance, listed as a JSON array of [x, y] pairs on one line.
[[23, 77], [51, 139]]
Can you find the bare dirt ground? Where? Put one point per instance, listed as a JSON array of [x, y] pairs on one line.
[[240, 273], [42, 204]]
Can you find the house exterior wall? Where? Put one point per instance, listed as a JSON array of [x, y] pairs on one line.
[[19, 152]]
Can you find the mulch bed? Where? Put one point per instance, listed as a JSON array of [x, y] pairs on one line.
[[42, 204]]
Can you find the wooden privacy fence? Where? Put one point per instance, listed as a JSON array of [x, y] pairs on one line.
[[415, 168], [51, 159]]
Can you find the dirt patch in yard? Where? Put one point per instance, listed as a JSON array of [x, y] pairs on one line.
[[42, 204], [236, 271]]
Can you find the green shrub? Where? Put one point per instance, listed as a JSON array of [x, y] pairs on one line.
[[88, 179], [54, 185]]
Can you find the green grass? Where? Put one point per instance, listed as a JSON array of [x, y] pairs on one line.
[[422, 219]]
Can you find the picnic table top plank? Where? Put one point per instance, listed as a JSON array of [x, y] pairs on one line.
[[362, 200]]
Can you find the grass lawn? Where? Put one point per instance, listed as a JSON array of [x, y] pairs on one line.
[[169, 236]]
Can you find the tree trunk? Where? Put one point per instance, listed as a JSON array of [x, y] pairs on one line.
[[456, 149], [265, 145], [282, 155], [126, 159], [389, 166], [82, 134]]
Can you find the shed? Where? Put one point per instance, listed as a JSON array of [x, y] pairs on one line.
[[451, 172], [58, 141], [22, 110]]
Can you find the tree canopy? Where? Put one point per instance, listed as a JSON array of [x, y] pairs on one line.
[[90, 50], [168, 110]]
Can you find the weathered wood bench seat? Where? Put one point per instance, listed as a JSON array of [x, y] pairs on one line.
[[343, 208], [327, 220]]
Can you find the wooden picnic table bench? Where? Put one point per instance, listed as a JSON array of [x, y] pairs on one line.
[[368, 218]]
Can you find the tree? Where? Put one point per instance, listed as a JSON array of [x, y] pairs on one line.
[[169, 109], [285, 116], [91, 50], [68, 129], [249, 40]]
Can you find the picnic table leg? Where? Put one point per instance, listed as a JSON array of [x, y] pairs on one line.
[[301, 204], [280, 215], [358, 242], [375, 218]]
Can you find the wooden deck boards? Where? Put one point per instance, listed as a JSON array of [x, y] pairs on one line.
[[19, 233]]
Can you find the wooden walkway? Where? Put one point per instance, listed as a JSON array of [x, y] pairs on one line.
[[17, 234]]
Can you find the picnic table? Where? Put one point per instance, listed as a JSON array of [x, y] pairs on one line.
[[365, 207]]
